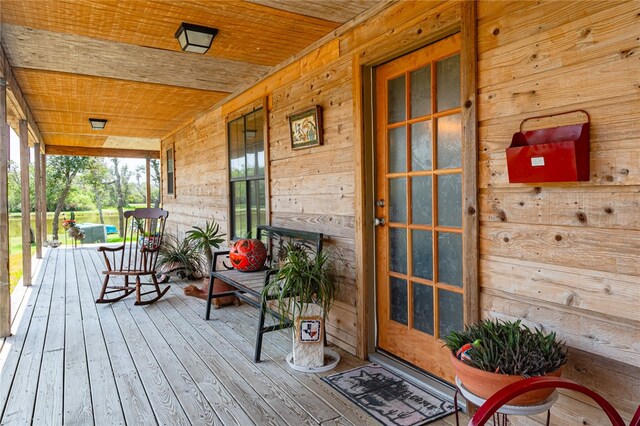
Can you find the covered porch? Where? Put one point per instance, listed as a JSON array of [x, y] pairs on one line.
[[72, 361]]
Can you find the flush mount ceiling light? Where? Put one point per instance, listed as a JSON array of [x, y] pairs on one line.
[[97, 123], [195, 38]]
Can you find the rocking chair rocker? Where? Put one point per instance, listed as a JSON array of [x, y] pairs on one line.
[[136, 257]]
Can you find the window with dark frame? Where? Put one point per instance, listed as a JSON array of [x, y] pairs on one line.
[[170, 179], [246, 175]]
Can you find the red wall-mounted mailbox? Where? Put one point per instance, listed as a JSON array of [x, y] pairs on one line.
[[558, 154]]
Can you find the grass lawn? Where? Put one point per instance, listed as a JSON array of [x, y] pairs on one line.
[[15, 261]]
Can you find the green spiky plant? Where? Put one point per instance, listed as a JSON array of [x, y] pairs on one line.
[[509, 347], [304, 273], [203, 239], [174, 252]]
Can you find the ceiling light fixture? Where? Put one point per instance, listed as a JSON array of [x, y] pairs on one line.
[[195, 38], [97, 123]]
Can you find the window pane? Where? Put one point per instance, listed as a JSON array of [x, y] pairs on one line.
[[421, 146], [398, 250], [421, 200], [262, 210], [423, 308], [450, 258], [448, 87], [450, 312], [239, 208], [450, 200], [236, 148], [398, 299], [257, 211], [422, 254], [449, 144], [398, 150], [398, 200], [421, 92], [396, 99], [170, 179], [254, 144]]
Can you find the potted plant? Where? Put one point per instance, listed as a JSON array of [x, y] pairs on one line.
[[304, 287], [203, 240], [179, 256], [492, 354]]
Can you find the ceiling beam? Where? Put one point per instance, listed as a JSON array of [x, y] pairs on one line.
[[100, 152], [16, 101], [68, 53]]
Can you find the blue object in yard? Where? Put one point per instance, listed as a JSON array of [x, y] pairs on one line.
[[111, 229]]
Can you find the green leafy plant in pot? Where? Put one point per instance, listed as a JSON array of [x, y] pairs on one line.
[[204, 239], [492, 354], [304, 288], [180, 257]]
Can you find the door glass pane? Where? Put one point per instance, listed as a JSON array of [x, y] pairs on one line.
[[448, 86], [398, 298], [398, 200], [449, 144], [398, 150], [397, 99], [422, 254], [450, 200], [421, 146], [421, 200], [398, 250], [423, 307], [421, 92], [450, 313], [239, 208], [236, 148], [450, 258]]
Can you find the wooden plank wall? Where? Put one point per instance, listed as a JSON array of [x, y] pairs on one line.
[[563, 257]]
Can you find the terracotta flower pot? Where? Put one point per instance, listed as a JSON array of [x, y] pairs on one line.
[[484, 383]]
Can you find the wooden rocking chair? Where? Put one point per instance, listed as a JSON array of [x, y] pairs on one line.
[[136, 257]]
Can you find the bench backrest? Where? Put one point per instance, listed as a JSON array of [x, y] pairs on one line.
[[276, 238]]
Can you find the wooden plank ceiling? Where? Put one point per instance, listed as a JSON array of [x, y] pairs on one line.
[[119, 59]]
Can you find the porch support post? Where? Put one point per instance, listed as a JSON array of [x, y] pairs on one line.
[[43, 194], [148, 182], [26, 205], [5, 296], [38, 209]]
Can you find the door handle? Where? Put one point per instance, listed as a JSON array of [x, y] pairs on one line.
[[379, 221]]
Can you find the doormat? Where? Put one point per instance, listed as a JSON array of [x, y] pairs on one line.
[[389, 398]]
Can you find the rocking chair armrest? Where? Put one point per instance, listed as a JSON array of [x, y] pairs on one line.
[[145, 249], [106, 248]]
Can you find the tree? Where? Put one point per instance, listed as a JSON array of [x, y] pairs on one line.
[[98, 177], [122, 190], [155, 183], [61, 172]]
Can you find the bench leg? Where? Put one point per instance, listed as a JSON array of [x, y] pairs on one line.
[[256, 357], [208, 314]]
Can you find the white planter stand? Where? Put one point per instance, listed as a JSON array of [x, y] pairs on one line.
[[332, 361]]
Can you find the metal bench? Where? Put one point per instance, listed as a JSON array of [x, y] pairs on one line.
[[248, 285]]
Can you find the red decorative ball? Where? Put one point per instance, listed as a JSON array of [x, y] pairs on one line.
[[248, 255]]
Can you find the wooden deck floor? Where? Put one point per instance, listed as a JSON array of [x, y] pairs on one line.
[[71, 361]]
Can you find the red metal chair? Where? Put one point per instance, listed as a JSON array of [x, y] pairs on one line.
[[506, 394], [136, 257]]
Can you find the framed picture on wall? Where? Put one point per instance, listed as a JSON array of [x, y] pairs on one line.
[[305, 128]]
